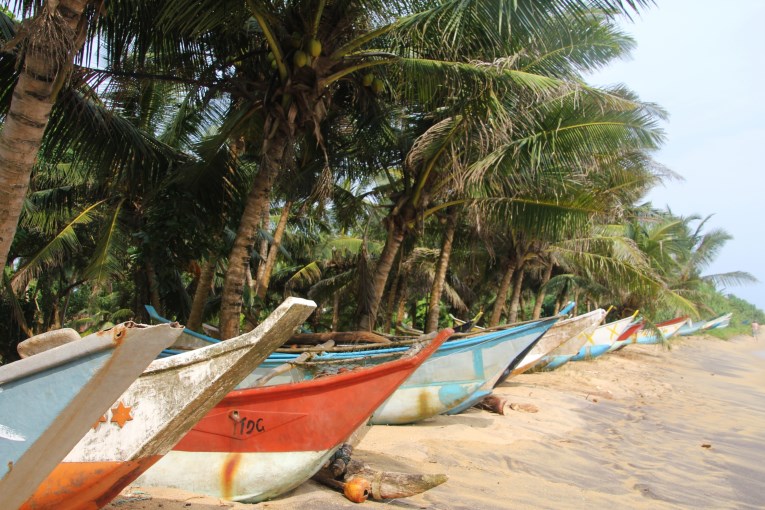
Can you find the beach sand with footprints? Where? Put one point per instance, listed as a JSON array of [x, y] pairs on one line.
[[645, 427]]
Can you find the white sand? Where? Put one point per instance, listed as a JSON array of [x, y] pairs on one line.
[[623, 431]]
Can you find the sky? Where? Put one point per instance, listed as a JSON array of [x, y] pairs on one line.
[[702, 61]]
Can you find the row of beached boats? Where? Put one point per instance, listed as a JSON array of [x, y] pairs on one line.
[[248, 419]]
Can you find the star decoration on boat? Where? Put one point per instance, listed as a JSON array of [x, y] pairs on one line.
[[121, 414], [99, 421]]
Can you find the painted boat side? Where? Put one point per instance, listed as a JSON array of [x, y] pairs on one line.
[[554, 338], [600, 341], [667, 329], [718, 322], [305, 422], [53, 397], [504, 355], [628, 337], [451, 376], [159, 408]]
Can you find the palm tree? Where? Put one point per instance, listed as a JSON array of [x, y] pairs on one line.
[[48, 44]]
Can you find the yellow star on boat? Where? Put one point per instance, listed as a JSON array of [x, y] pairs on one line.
[[121, 414]]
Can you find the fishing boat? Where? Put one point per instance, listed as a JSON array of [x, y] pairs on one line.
[[454, 373], [690, 328], [554, 338], [718, 322], [48, 401], [601, 340], [260, 442], [582, 326], [666, 330], [628, 337], [494, 361], [156, 411]]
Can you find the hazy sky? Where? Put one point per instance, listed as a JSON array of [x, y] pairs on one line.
[[702, 60]]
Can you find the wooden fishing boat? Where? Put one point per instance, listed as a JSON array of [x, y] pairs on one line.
[[718, 322], [156, 411], [454, 373], [585, 326], [690, 328], [48, 401], [258, 443], [554, 338], [494, 361], [601, 340], [628, 337], [667, 329]]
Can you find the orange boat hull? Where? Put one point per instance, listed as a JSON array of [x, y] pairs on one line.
[[86, 485]]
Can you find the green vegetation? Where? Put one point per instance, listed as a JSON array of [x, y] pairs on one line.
[[394, 161]]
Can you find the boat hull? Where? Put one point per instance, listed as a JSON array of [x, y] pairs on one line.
[[157, 410], [50, 399], [248, 477], [452, 376], [258, 443], [601, 340]]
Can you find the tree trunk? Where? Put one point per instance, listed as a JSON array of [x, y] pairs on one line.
[[35, 92], [239, 258], [153, 284], [380, 278], [515, 299], [434, 307], [265, 223], [335, 311], [541, 292], [204, 286], [273, 251], [502, 290]]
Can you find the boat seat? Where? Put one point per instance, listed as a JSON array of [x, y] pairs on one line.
[[45, 341]]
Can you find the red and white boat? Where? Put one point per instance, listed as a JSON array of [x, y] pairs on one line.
[[156, 411], [261, 442]]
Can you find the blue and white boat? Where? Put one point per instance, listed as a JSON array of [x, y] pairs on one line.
[[49, 401], [460, 372], [600, 341], [575, 334]]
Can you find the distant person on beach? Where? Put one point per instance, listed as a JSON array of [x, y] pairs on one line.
[[755, 329]]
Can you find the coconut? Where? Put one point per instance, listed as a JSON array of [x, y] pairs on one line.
[[314, 48], [378, 85], [300, 59], [368, 79]]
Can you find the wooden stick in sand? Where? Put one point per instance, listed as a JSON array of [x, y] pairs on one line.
[[358, 481]]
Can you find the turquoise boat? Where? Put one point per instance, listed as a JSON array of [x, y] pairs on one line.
[[459, 372], [492, 362], [49, 401]]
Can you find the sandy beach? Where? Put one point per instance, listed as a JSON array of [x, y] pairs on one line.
[[645, 427]]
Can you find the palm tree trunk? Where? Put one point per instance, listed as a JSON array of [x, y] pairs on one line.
[[434, 308], [263, 251], [502, 290], [151, 278], [515, 299], [33, 96], [239, 258], [204, 286], [335, 311], [380, 278], [273, 251], [541, 292], [393, 295]]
